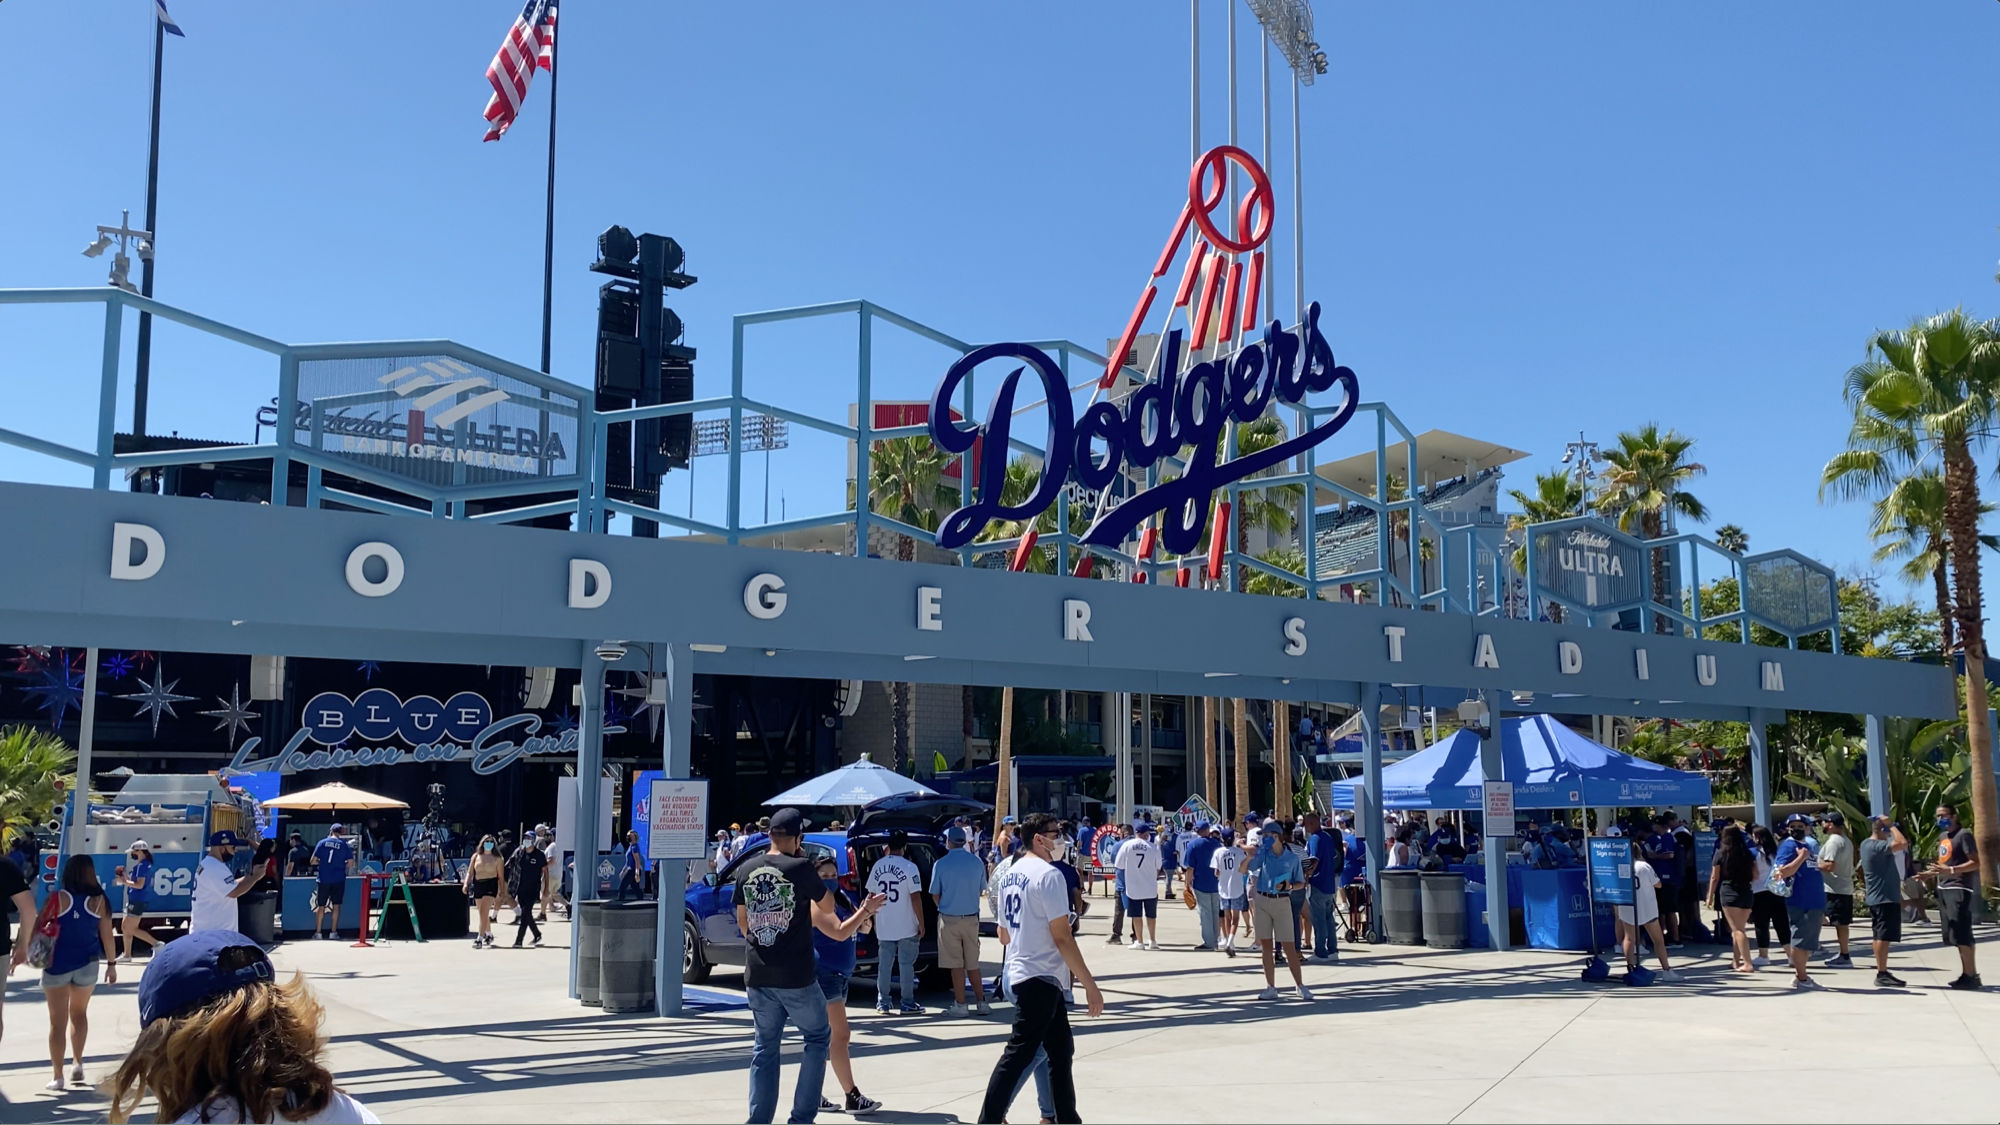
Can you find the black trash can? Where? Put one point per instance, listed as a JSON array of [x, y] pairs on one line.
[[257, 916]]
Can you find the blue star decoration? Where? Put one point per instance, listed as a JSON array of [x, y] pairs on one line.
[[58, 688], [369, 669], [119, 665], [231, 716], [564, 721], [158, 698]]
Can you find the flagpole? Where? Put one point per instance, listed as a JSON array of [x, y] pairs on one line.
[[549, 216], [142, 373]]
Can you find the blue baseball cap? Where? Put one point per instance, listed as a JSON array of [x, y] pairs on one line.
[[1142, 826], [188, 972], [224, 839], [954, 835], [1007, 820]]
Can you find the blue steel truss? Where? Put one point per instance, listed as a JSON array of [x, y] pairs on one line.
[[1462, 585]]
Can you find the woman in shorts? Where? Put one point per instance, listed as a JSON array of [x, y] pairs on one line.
[[835, 962], [137, 879], [1729, 883], [482, 885], [83, 934]]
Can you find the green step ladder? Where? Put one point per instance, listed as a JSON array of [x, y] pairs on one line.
[[400, 882]]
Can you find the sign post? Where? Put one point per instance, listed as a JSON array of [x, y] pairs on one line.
[[1609, 859], [677, 826], [1499, 806]]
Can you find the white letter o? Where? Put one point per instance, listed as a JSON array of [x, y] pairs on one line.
[[392, 563]]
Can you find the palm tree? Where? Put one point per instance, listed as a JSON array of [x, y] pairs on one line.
[[903, 479], [1644, 481], [1733, 539], [1286, 559], [1275, 508], [37, 769], [1908, 524], [1929, 392], [1557, 496]]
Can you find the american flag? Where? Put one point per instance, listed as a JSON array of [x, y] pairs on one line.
[[530, 42]]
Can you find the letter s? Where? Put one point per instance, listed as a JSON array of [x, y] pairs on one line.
[[1295, 636]]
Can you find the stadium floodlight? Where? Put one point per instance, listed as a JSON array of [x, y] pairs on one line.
[[124, 237], [98, 247], [1289, 23]]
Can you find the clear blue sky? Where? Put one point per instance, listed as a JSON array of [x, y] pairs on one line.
[[1523, 219]]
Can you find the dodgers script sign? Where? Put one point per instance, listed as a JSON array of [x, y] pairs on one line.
[[1184, 407]]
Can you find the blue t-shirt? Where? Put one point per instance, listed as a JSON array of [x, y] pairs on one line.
[[1107, 852], [1084, 836], [1665, 857], [957, 881], [334, 854], [1200, 855], [141, 871], [1170, 852], [1325, 847], [1272, 868], [836, 956], [1357, 859], [1808, 888]]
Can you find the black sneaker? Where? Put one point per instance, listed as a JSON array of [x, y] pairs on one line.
[[1966, 983], [1886, 979], [860, 1104], [827, 1106]]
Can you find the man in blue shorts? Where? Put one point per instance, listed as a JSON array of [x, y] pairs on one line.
[[330, 861]]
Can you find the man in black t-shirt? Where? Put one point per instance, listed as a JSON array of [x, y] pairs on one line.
[[1957, 875], [14, 891], [298, 861], [525, 871], [779, 900]]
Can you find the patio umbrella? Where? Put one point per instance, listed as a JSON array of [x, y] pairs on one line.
[[332, 797], [856, 784]]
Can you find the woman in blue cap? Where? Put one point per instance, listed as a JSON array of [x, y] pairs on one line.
[[222, 1040]]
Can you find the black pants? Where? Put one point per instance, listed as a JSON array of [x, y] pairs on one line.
[[1768, 911], [525, 906], [1041, 1022]]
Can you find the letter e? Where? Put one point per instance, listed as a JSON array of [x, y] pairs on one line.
[[930, 609]]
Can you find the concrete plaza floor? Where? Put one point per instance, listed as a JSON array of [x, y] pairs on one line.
[[439, 1032]]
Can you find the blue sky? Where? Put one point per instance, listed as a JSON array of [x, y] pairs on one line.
[[1522, 219]]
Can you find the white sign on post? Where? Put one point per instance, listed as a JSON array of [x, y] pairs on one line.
[[678, 825], [1499, 808]]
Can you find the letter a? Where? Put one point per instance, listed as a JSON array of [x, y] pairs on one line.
[[1485, 657]]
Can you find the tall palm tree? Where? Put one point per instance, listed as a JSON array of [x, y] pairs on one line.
[[1908, 524], [903, 479], [1732, 538], [1557, 496], [1274, 509], [1644, 481], [1927, 395]]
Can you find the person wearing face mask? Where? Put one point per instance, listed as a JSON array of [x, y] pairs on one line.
[[834, 963], [1805, 907], [1275, 870], [957, 879], [1883, 886], [482, 885], [216, 888], [137, 879], [1957, 875]]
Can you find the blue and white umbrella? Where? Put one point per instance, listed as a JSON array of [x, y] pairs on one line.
[[858, 784]]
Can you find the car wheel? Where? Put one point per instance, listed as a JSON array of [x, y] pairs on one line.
[[694, 968]]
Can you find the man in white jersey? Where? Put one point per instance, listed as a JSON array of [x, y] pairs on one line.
[[1139, 861], [1042, 957], [1230, 887]]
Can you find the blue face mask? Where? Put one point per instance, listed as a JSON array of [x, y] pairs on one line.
[[1944, 824], [489, 847], [830, 884]]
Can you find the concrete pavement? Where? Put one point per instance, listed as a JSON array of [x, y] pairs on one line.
[[440, 1032]]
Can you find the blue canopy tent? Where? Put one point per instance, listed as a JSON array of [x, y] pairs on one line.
[[1551, 766]]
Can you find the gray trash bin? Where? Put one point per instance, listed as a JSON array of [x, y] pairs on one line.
[[625, 970], [257, 917], [589, 949], [1402, 907], [1444, 909]]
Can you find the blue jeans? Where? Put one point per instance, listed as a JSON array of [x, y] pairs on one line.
[[769, 1009], [889, 954], [1045, 1097], [1325, 907], [1205, 904]]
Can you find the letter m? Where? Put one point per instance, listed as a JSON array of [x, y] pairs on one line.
[[1774, 676]]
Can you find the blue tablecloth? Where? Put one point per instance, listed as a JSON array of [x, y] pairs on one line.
[[1556, 907]]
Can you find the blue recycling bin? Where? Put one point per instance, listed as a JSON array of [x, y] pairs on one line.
[[1476, 934], [1556, 907]]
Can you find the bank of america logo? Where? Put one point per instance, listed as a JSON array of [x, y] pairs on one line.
[[441, 380]]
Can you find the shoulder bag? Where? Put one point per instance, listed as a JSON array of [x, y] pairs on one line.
[[42, 944]]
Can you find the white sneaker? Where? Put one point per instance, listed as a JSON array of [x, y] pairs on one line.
[[1305, 993], [1760, 961], [983, 1009], [955, 1011], [1268, 994], [1673, 976]]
